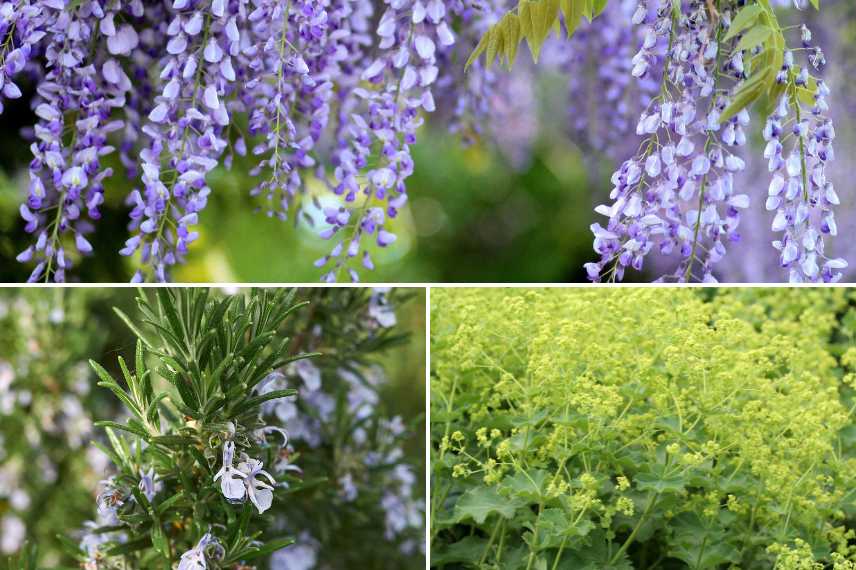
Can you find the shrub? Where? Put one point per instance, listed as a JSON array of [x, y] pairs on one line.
[[643, 428]]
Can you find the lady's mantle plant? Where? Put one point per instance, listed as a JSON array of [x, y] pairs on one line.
[[648, 428], [196, 466]]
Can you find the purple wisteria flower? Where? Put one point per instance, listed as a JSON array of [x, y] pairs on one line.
[[800, 192], [677, 195]]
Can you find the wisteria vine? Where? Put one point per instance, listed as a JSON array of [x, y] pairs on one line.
[[698, 67], [337, 90], [333, 89]]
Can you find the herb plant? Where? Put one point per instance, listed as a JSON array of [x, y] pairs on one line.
[[241, 445], [191, 482], [643, 428]]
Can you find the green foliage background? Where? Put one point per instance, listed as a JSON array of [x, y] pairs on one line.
[[655, 428]]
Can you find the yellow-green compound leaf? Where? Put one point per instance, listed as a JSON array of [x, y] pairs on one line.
[[744, 18], [753, 88], [597, 8], [572, 10], [533, 21], [757, 35], [511, 37], [479, 503]]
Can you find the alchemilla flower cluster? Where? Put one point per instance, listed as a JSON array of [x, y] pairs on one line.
[[600, 429]]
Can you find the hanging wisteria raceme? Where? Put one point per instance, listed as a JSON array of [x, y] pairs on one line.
[[297, 55], [799, 192], [169, 84], [387, 116], [677, 194], [73, 108]]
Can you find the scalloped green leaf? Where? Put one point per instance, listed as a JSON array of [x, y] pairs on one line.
[[481, 502]]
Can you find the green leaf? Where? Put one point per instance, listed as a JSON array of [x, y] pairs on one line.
[[468, 549], [256, 401], [555, 527], [751, 89], [159, 540], [660, 483], [269, 548], [526, 486], [481, 502], [134, 429], [176, 441], [744, 18], [700, 546], [134, 329], [755, 36]]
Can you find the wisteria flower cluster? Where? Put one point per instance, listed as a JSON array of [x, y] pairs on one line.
[[595, 428], [166, 92], [696, 68]]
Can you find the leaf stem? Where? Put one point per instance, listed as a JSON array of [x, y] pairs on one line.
[[642, 519]]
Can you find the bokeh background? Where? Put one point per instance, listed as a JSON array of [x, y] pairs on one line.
[[510, 204], [49, 469]]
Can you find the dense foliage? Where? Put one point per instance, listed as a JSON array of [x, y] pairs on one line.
[[643, 428], [311, 456]]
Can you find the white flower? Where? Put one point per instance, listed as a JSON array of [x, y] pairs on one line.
[[260, 493], [149, 484], [194, 559], [231, 485]]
